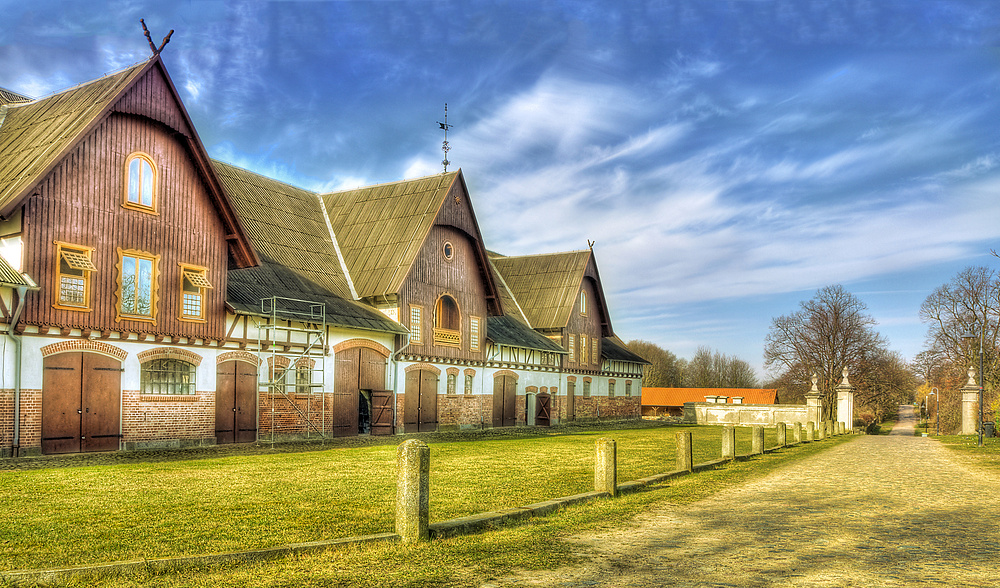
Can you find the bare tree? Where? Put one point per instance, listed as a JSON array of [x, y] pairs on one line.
[[830, 331], [712, 369], [664, 369]]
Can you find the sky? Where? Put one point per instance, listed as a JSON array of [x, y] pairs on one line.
[[727, 158]]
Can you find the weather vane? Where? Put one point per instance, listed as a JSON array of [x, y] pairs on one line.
[[150, 39], [444, 146]]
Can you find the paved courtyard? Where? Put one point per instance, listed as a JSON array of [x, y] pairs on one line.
[[893, 510]]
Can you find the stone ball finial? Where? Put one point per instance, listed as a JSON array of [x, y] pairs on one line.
[[814, 379]]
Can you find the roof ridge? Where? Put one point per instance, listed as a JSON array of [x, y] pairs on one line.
[[266, 177], [55, 93], [502, 256], [375, 185]]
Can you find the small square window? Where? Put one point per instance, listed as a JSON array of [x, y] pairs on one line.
[[194, 283], [73, 280]]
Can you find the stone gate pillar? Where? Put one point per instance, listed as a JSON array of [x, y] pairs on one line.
[[970, 405], [814, 403], [845, 403]]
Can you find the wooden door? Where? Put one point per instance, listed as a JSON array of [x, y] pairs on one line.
[[570, 401], [101, 418], [543, 410], [225, 402], [235, 402], [382, 412], [504, 401], [246, 402], [345, 392], [420, 401], [81, 403]]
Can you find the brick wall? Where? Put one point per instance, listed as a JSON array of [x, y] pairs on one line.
[[31, 421], [462, 411], [153, 417]]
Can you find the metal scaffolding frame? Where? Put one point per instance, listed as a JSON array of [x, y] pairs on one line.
[[278, 338]]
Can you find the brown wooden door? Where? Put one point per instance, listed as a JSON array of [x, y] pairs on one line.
[[345, 392], [235, 402], [225, 402], [570, 401], [81, 403], [382, 412], [420, 401], [246, 402], [543, 410], [504, 401], [101, 418]]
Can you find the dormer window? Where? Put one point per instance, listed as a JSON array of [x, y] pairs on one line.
[[140, 183]]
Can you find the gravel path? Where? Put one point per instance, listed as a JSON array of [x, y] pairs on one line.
[[893, 510]]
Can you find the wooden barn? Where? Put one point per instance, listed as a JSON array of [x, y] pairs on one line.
[[153, 297]]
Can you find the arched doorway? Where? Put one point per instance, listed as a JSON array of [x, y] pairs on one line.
[[81, 402], [236, 402], [420, 399], [504, 399], [361, 404]]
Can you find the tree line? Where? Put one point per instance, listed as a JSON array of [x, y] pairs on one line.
[[708, 368]]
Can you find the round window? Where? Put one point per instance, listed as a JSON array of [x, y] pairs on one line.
[[449, 250]]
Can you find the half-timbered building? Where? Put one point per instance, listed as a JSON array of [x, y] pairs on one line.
[[154, 297]]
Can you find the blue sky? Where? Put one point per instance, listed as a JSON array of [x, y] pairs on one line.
[[728, 158]]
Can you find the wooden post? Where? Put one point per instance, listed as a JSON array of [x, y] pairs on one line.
[[758, 440], [729, 442], [685, 454], [413, 467], [606, 466]]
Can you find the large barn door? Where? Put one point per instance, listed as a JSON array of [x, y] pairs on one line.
[[420, 401], [235, 402], [81, 403], [101, 419], [345, 392], [504, 401], [382, 412]]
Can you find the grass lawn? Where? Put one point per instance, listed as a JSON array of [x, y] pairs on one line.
[[987, 456], [71, 516]]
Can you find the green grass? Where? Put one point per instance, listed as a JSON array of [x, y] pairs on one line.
[[986, 456], [72, 516]]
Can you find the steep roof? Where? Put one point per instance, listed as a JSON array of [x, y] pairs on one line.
[[614, 349], [381, 228], [545, 285], [10, 97], [508, 304], [36, 135], [298, 259], [678, 396], [13, 278]]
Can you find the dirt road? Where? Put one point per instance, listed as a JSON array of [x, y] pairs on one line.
[[893, 510]]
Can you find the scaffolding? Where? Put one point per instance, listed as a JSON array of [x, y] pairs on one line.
[[292, 343]]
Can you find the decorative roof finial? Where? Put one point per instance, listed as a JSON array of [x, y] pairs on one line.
[[591, 244], [814, 379], [444, 146], [150, 39], [844, 382]]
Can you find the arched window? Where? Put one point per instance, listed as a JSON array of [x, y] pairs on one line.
[[140, 182], [447, 322], [167, 376]]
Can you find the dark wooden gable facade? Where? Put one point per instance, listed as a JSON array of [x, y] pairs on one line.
[[80, 204], [450, 284]]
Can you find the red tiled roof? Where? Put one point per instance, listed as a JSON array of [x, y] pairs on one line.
[[678, 396]]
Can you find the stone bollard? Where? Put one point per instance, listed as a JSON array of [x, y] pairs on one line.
[[810, 431], [757, 446], [685, 452], [606, 466], [829, 429], [729, 442], [821, 431], [413, 468], [782, 433], [797, 432], [843, 427]]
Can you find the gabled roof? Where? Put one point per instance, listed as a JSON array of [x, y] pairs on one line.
[[614, 349], [298, 259], [10, 97], [13, 278], [36, 135], [381, 228], [678, 396], [508, 304], [545, 286]]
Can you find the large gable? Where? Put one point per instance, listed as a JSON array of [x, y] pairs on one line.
[[36, 135], [545, 286]]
